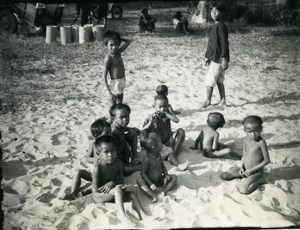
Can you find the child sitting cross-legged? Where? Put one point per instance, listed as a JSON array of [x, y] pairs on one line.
[[154, 173], [208, 139], [108, 179], [86, 165]]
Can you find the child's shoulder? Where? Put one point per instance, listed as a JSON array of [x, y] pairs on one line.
[[262, 142]]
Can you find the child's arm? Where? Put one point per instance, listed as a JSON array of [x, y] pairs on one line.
[[145, 166], [266, 160], [215, 142], [125, 44], [224, 45], [107, 63], [172, 117], [147, 122], [172, 111]]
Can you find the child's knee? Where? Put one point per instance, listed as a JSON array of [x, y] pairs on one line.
[[225, 176], [180, 133]]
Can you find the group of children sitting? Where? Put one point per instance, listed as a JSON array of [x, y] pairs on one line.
[[114, 153]]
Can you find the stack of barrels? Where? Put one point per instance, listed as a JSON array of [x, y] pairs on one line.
[[75, 34]]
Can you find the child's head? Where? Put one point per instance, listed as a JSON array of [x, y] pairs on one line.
[[112, 41], [162, 90], [100, 127], [253, 127], [161, 103], [106, 149], [215, 120], [178, 15], [151, 142], [217, 11], [144, 12], [120, 114]]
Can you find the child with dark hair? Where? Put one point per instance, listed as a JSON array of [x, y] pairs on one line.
[[85, 167], [160, 123], [154, 173], [255, 158], [108, 179], [163, 90], [181, 23], [146, 22], [208, 138], [113, 64], [217, 55], [126, 137]]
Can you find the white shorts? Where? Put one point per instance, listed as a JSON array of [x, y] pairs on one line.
[[117, 86], [216, 74]]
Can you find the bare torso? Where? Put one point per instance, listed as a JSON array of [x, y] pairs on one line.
[[252, 154], [208, 138], [108, 173], [155, 169], [116, 68]]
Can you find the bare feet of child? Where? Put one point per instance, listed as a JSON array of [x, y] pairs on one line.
[[69, 196], [204, 105], [184, 165]]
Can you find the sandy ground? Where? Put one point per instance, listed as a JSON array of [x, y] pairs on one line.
[[55, 93]]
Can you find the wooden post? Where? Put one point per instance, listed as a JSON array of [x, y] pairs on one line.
[[75, 34], [51, 34], [85, 34], [98, 32], [66, 34]]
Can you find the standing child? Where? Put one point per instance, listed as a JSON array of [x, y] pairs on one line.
[[126, 138], [217, 55], [255, 157], [154, 172], [113, 64], [209, 137], [108, 179], [160, 123], [163, 90], [86, 165]]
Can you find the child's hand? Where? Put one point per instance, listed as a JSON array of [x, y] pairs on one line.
[[224, 63], [153, 187], [243, 173], [207, 62], [167, 179], [107, 187]]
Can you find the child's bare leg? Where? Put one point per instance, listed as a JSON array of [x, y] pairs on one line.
[[142, 184], [232, 173], [171, 184], [136, 205], [120, 205], [222, 94], [251, 183], [76, 183], [180, 135], [209, 92]]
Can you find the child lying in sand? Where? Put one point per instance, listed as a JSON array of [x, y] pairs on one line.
[[99, 128], [154, 172], [160, 123], [209, 138], [108, 179], [126, 137], [163, 90], [255, 157]]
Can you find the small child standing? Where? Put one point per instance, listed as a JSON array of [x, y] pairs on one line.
[[108, 179], [255, 157], [209, 137], [154, 172], [181, 23], [86, 165], [163, 90], [126, 138], [113, 64], [217, 54], [160, 123]]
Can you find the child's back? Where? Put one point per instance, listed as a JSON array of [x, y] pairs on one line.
[[209, 136]]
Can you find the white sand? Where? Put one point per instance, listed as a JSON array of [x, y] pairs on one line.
[[41, 143]]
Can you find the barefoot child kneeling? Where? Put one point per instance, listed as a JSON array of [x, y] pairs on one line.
[[108, 179], [255, 157], [154, 172]]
